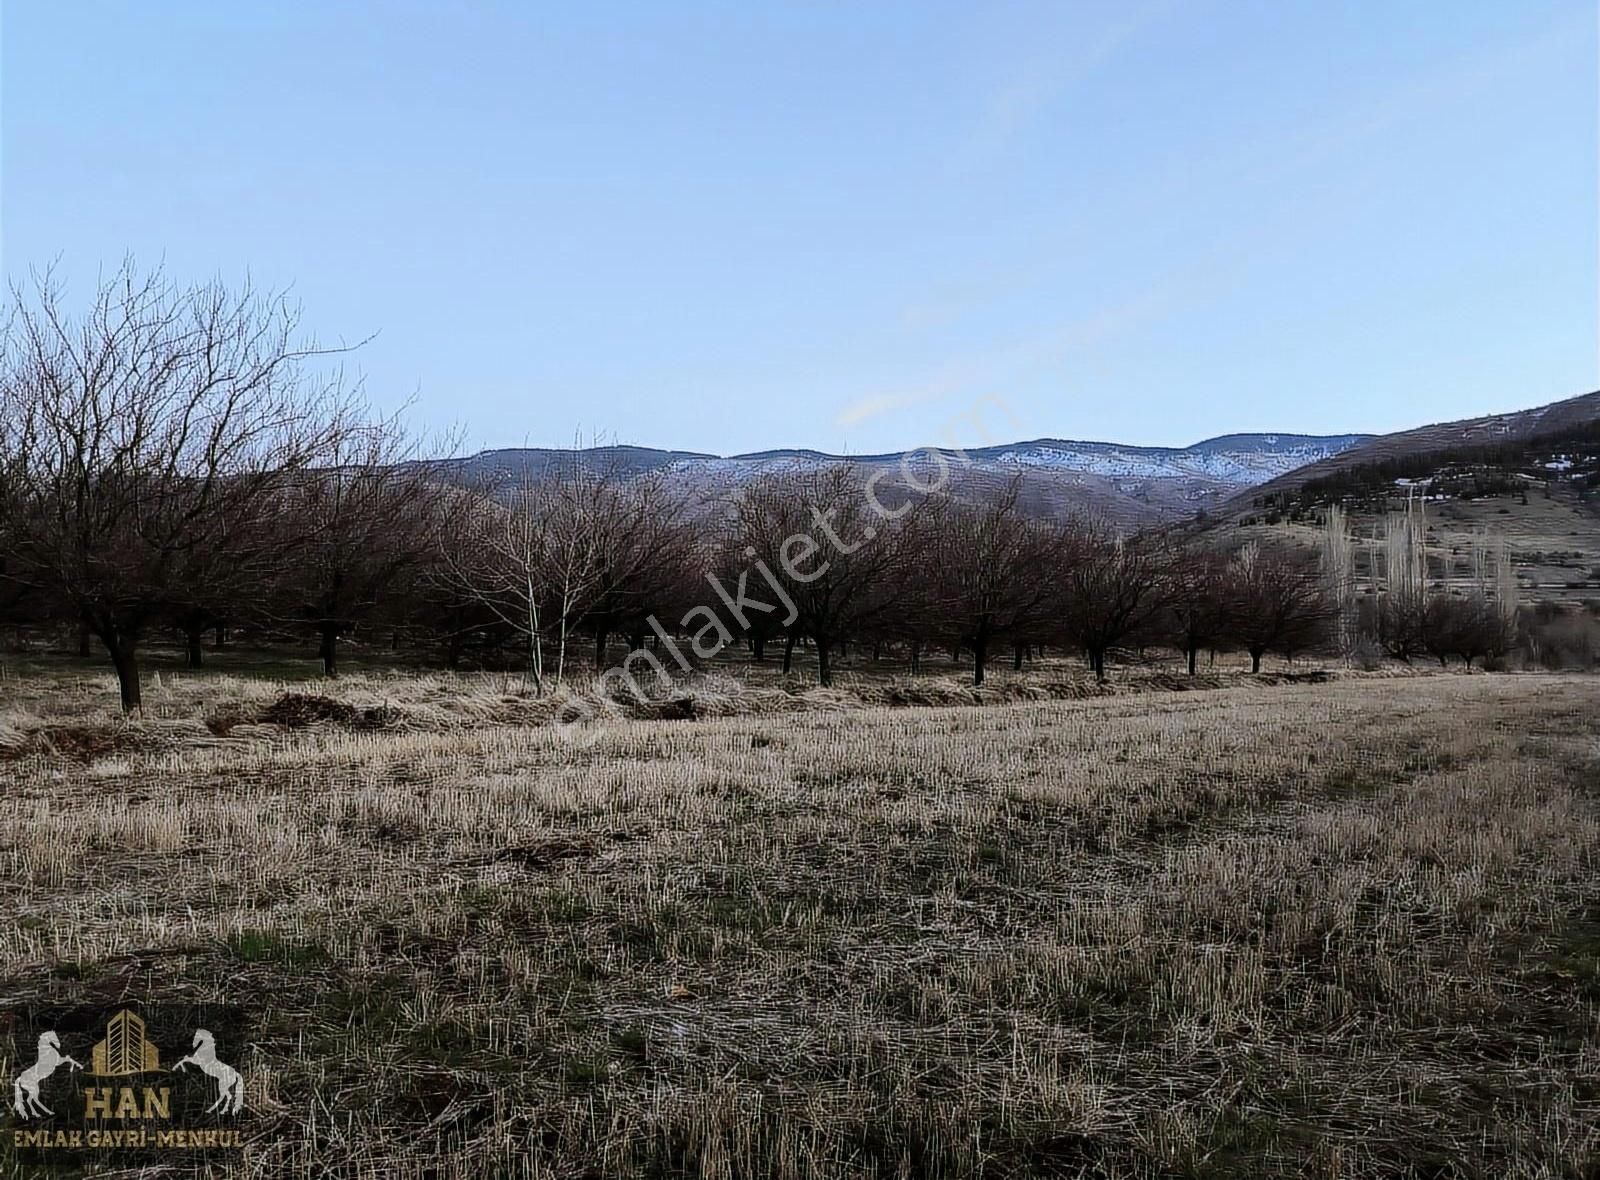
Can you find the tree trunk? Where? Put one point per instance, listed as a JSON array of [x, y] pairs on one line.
[[194, 654], [824, 668], [1097, 662], [980, 658], [1255, 658], [328, 649], [788, 652], [221, 640], [877, 650], [600, 637], [125, 659], [916, 657], [1194, 656], [1016, 658], [536, 663], [83, 640], [758, 648]]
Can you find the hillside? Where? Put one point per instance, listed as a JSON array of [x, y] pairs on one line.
[[1439, 439], [1531, 477], [1238, 478], [1133, 484]]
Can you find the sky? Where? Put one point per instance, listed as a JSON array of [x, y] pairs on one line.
[[857, 227]]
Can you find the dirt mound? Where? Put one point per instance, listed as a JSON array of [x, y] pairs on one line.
[[1177, 682], [945, 692], [297, 710], [1315, 676], [678, 708], [545, 854], [76, 743], [221, 721]]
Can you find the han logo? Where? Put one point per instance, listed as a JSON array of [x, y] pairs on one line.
[[125, 1049], [126, 1100]]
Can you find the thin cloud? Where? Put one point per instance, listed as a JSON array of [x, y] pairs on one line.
[[995, 368], [1044, 73], [1220, 264], [876, 406]]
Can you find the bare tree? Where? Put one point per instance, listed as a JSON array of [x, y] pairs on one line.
[[204, 592], [1470, 627], [1202, 605], [549, 549], [498, 560], [644, 552], [835, 558], [1111, 590], [986, 573], [453, 611], [356, 533], [1281, 602], [1339, 573], [20, 604], [729, 567], [1398, 565], [144, 438]]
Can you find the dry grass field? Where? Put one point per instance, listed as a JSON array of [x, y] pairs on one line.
[[1337, 929]]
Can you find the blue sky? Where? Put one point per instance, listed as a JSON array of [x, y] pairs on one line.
[[734, 226]]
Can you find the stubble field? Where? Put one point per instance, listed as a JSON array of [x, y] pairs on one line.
[[1334, 929]]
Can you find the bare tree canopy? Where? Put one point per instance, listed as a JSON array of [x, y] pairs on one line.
[[143, 440], [544, 553], [175, 457], [1113, 590], [987, 574], [1281, 602], [356, 533], [838, 560]]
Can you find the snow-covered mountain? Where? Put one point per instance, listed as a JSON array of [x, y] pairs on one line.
[[1134, 483], [1243, 459]]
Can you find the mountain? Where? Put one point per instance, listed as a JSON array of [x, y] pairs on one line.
[[1133, 484]]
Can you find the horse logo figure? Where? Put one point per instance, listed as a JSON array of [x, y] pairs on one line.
[[25, 1090], [230, 1086]]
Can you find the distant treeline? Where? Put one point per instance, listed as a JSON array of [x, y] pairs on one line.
[[172, 461]]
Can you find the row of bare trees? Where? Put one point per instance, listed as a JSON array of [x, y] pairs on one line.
[[171, 458], [978, 576], [176, 458], [1413, 609]]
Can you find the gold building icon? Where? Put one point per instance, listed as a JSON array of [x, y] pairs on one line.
[[125, 1049]]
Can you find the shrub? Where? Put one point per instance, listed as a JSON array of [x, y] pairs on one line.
[[1557, 639]]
